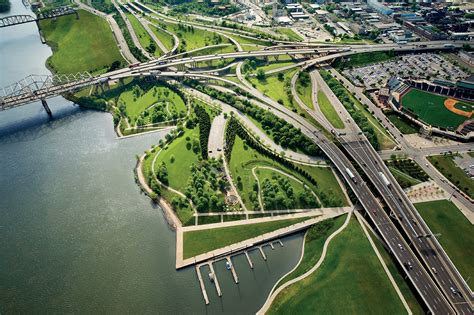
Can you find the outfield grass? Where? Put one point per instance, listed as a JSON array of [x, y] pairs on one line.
[[329, 112], [456, 233], [350, 276], [313, 246], [430, 109], [86, 44], [244, 158], [446, 165], [143, 37], [305, 93], [203, 241], [405, 127]]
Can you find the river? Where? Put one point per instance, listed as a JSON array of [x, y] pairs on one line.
[[76, 234]]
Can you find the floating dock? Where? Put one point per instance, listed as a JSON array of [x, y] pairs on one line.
[[232, 269], [248, 259], [201, 283]]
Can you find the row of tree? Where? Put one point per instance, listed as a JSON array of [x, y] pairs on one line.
[[204, 121], [282, 132], [360, 119]]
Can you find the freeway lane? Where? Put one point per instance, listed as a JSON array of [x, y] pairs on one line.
[[427, 289], [415, 228]]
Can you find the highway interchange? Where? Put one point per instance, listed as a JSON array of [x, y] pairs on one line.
[[426, 264]]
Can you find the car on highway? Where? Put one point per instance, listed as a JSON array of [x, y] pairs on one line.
[[453, 289]]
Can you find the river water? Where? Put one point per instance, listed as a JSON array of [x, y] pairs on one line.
[[76, 234]]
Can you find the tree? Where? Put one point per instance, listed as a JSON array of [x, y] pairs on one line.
[[261, 76], [281, 77]]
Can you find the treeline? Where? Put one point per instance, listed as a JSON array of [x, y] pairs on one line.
[[204, 122], [344, 96], [4, 6], [204, 8], [103, 6], [279, 130]]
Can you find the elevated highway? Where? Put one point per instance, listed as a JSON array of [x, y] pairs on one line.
[[17, 98]]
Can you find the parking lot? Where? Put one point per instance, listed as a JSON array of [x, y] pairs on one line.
[[417, 66]]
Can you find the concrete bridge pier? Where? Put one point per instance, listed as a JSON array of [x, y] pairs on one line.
[[46, 107], [43, 40]]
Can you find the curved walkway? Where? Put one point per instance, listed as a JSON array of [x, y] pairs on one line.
[[168, 187], [274, 294]]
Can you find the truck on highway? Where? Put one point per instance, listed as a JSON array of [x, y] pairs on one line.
[[348, 171], [448, 46], [384, 179]]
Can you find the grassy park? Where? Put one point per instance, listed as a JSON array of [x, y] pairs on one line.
[[343, 283], [329, 112], [203, 241], [143, 104], [431, 109], [86, 44], [407, 172], [454, 232], [446, 165], [244, 159], [289, 33], [363, 59]]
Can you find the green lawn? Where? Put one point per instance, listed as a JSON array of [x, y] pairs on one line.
[[86, 44], [250, 41], [277, 62], [446, 165], [203, 241], [305, 92], [403, 179], [143, 37], [456, 233], [350, 276], [329, 112], [244, 158], [405, 126], [138, 101], [430, 108], [165, 38], [275, 89], [313, 246], [179, 171]]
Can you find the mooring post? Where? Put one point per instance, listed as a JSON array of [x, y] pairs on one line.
[[46, 107]]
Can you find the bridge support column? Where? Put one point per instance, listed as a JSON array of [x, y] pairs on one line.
[[43, 41], [46, 107]]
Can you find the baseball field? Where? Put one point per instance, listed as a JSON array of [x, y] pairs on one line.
[[437, 110]]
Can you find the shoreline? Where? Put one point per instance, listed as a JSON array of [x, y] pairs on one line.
[[169, 215]]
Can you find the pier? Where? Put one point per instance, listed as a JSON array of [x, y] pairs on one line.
[[248, 259], [201, 283], [232, 269]]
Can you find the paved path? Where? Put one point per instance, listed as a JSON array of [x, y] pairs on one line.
[[180, 262], [215, 144], [274, 293]]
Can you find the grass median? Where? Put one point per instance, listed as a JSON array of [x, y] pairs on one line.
[[329, 112]]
